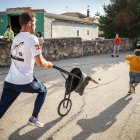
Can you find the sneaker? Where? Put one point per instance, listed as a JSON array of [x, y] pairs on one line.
[[117, 55], [133, 89], [36, 122], [112, 55], [129, 92], [1, 129]]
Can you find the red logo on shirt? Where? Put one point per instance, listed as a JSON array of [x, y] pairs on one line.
[[37, 47]]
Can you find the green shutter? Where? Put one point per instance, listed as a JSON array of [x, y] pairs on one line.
[[40, 22], [3, 23]]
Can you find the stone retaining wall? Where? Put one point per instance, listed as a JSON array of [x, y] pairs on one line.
[[55, 49], [4, 52], [61, 48]]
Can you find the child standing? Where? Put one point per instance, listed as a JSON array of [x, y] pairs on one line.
[[134, 71], [117, 42], [9, 34], [40, 38]]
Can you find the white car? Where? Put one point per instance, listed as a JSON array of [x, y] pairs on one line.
[[99, 39], [138, 44]]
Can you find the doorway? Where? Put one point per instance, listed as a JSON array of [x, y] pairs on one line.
[[14, 20]]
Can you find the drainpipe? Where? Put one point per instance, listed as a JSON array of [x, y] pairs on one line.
[[88, 11], [51, 29]]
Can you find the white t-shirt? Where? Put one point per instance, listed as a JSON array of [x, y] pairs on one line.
[[25, 46]]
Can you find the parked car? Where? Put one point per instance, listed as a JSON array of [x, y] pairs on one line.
[[99, 39], [138, 44]]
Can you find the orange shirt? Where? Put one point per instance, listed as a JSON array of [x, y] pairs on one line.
[[117, 41], [134, 63]]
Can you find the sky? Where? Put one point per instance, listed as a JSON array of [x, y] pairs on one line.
[[58, 6]]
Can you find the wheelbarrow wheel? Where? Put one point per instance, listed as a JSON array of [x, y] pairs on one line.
[[64, 107]]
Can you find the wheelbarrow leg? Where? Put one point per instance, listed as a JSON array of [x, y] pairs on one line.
[[67, 95], [65, 105]]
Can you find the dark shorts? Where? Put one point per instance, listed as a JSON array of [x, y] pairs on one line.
[[134, 77], [116, 47]]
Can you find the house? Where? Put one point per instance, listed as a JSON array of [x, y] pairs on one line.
[[70, 26], [52, 25], [11, 17]]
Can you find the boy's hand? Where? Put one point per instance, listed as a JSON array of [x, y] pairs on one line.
[[50, 64]]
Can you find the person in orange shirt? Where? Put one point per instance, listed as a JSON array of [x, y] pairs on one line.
[[117, 42], [134, 70]]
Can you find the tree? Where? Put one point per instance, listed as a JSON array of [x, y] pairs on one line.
[[121, 16]]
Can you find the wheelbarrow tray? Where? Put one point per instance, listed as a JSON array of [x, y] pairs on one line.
[[76, 81]]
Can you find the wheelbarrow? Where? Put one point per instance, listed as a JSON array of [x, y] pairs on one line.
[[76, 81]]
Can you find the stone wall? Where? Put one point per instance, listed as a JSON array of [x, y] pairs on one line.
[[55, 49], [5, 52]]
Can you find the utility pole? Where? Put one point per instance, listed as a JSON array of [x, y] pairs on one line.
[[88, 11], [67, 8]]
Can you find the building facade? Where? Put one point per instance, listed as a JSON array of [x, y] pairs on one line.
[[69, 26], [52, 25]]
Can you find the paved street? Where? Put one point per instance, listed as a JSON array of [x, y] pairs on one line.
[[104, 112]]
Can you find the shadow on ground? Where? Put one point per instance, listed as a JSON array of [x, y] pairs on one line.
[[33, 134], [103, 121]]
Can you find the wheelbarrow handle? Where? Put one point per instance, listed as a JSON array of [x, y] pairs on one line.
[[91, 79], [64, 71], [58, 68]]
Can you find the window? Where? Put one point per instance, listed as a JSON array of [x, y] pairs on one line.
[[77, 32], [87, 32]]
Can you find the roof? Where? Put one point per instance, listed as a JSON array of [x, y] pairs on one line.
[[74, 14], [3, 12], [20, 9], [70, 18]]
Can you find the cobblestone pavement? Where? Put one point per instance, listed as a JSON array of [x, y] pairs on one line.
[[104, 112]]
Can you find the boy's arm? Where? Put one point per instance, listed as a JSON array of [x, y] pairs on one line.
[[41, 62], [5, 35], [120, 40], [114, 41], [128, 57], [12, 36]]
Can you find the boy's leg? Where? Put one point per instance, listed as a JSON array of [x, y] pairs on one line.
[[114, 51], [38, 104], [35, 87], [134, 85], [7, 98], [130, 88], [131, 82], [137, 81], [133, 89], [117, 50]]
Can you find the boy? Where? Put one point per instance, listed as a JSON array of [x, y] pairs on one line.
[[25, 52], [117, 42], [134, 72]]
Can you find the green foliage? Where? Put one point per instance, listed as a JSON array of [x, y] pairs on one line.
[[123, 17]]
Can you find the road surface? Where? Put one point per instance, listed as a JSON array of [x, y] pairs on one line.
[[104, 112]]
